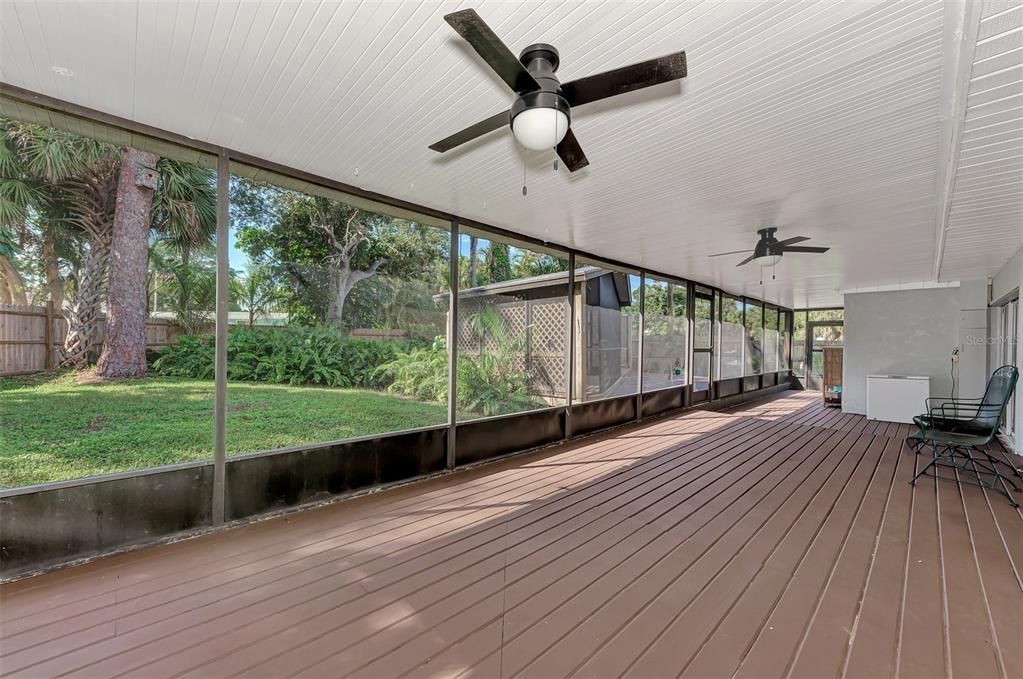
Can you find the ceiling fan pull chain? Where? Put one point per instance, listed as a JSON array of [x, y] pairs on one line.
[[555, 139], [523, 171]]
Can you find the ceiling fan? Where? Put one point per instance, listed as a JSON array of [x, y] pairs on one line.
[[541, 115], [770, 249]]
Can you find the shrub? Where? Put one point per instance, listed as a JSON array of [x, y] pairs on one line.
[[421, 373], [190, 356], [488, 384], [284, 356]]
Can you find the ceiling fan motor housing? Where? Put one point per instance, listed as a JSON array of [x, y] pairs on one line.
[[541, 60], [768, 245]]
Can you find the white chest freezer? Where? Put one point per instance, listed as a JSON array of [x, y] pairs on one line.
[[897, 398]]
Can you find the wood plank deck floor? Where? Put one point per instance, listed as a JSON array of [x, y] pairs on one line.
[[778, 539]]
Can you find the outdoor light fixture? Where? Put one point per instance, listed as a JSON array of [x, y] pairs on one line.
[[539, 120]]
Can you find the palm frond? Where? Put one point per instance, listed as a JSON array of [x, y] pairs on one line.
[[185, 204]]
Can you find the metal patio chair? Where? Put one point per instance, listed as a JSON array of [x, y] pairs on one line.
[[958, 432]]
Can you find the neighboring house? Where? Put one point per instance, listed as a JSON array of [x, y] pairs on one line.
[[235, 317]]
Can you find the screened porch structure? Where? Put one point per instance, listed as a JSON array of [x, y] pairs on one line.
[[288, 387]]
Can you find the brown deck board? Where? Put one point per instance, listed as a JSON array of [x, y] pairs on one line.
[[780, 538]]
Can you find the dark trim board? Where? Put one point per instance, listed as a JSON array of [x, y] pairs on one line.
[[260, 483], [491, 438], [664, 400], [589, 417], [47, 527]]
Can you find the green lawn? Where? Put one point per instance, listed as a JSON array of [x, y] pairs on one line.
[[52, 427]]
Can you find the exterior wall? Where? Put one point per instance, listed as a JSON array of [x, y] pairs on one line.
[[1010, 278], [913, 332]]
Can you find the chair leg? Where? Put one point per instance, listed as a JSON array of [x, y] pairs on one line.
[[934, 459], [962, 459], [1003, 459], [998, 478]]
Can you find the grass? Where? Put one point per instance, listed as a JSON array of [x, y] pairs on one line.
[[56, 426]]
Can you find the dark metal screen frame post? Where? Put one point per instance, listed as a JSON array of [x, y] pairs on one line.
[[570, 373], [742, 345], [220, 360], [454, 258], [642, 328], [687, 389]]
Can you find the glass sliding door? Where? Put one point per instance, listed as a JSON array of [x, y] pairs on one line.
[[820, 334], [1004, 351], [703, 353]]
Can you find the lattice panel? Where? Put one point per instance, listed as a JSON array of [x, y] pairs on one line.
[[542, 327], [548, 346]]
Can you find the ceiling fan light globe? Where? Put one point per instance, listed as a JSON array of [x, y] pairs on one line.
[[540, 128], [769, 260]]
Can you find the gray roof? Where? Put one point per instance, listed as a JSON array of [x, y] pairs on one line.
[[583, 273]]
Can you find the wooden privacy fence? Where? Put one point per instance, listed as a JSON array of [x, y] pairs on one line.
[[31, 337]]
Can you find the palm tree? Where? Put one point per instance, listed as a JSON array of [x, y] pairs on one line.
[[66, 186], [257, 292], [62, 184]]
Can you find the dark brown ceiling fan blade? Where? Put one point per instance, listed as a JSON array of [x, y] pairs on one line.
[[793, 240], [746, 261], [571, 153], [733, 252], [470, 26], [625, 79], [494, 122], [804, 248]]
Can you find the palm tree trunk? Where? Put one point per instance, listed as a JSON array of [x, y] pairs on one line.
[[93, 197], [474, 244], [12, 288], [54, 285], [186, 259], [124, 347], [83, 317]]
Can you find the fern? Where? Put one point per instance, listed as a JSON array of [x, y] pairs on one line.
[[294, 356]]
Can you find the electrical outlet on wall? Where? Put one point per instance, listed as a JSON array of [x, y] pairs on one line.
[[955, 354]]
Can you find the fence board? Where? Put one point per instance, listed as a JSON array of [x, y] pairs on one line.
[[23, 337]]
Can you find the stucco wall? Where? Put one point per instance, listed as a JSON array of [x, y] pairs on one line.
[[913, 332]]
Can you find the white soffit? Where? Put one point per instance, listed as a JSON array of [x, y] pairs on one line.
[[821, 117], [985, 219]]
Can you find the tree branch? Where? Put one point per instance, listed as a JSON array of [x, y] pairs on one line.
[[356, 276]]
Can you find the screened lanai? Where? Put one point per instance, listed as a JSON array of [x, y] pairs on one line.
[[512, 339]]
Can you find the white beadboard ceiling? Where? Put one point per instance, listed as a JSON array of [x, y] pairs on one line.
[[985, 216], [823, 117]]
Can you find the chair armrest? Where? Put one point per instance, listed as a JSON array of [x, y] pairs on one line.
[[953, 408]]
